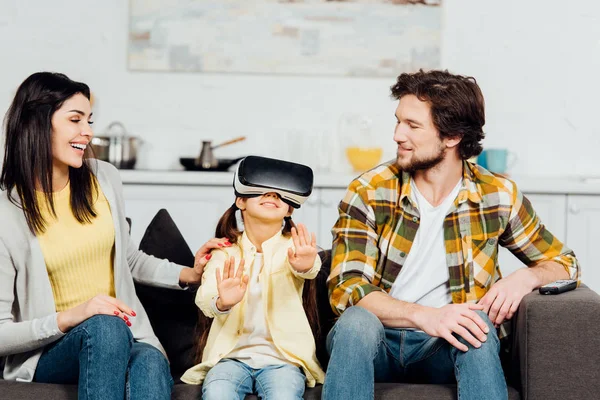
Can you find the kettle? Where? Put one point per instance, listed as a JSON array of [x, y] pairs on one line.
[[118, 149], [207, 159]]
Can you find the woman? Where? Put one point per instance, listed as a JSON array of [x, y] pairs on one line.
[[68, 308]]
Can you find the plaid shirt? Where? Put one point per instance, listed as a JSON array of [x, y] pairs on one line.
[[379, 220]]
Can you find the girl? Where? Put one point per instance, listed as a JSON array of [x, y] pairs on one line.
[[67, 266], [260, 341]]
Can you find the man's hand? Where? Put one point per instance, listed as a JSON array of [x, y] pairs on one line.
[[460, 319], [305, 245], [502, 300]]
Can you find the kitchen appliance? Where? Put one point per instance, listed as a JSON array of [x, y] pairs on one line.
[[207, 159], [116, 146]]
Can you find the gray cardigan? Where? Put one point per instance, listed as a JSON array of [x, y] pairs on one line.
[[28, 317]]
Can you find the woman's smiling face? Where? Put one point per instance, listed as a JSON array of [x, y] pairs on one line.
[[71, 132]]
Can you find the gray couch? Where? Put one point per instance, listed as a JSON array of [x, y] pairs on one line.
[[555, 342]]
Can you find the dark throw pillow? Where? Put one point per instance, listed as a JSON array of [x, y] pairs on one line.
[[326, 315], [172, 313]]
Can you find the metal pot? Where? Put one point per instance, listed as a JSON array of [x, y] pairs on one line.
[[119, 150]]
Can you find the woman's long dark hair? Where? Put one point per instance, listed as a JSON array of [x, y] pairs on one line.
[[28, 149], [227, 228]]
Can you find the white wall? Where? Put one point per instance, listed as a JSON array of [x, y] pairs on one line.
[[535, 61]]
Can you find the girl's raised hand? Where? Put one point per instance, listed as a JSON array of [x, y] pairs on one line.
[[305, 244], [231, 285]]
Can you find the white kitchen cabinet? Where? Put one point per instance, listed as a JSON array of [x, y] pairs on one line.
[[583, 235], [195, 209], [330, 198], [308, 213], [551, 209]]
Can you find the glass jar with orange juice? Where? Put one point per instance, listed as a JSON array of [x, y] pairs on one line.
[[355, 131]]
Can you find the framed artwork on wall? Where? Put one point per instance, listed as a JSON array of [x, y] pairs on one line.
[[295, 37]]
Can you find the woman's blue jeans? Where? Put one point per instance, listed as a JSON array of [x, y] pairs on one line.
[[102, 358]]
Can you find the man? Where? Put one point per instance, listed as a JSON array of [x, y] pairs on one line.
[[415, 272]]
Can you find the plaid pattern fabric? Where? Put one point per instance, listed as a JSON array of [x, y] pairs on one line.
[[378, 222]]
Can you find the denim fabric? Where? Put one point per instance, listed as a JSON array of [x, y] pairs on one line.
[[102, 358], [232, 379], [363, 352]]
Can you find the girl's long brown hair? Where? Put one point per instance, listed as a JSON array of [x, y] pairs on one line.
[[227, 228]]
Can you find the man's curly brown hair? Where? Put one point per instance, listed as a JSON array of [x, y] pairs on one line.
[[457, 105]]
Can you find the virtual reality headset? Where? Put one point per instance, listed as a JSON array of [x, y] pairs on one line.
[[256, 176]]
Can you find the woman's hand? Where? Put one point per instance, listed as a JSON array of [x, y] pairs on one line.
[[98, 305], [193, 276], [305, 244], [232, 286]]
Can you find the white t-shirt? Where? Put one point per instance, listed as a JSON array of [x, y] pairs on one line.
[[255, 347], [424, 277]]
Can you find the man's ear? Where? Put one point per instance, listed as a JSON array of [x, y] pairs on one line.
[[240, 202], [452, 141]]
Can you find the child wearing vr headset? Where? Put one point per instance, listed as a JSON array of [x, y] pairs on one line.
[[260, 292]]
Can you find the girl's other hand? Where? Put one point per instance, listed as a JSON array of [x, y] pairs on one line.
[[305, 245]]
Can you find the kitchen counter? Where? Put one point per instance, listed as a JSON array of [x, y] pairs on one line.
[[528, 184]]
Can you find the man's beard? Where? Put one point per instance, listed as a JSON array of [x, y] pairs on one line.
[[423, 163]]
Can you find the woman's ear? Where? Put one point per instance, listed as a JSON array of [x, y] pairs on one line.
[[290, 211], [240, 203]]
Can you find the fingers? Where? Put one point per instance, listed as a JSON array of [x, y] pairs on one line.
[[218, 273], [214, 243], [303, 235], [513, 309], [124, 317], [240, 269], [295, 238], [223, 242], [200, 263], [301, 240], [107, 305], [226, 265], [473, 316], [122, 307], [290, 253], [506, 306], [496, 306], [307, 236], [487, 300], [465, 334], [474, 306], [454, 341], [244, 282], [475, 329]]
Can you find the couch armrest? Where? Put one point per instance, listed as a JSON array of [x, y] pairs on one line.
[[557, 345]]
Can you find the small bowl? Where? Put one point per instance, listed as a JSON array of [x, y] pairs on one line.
[[363, 158]]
